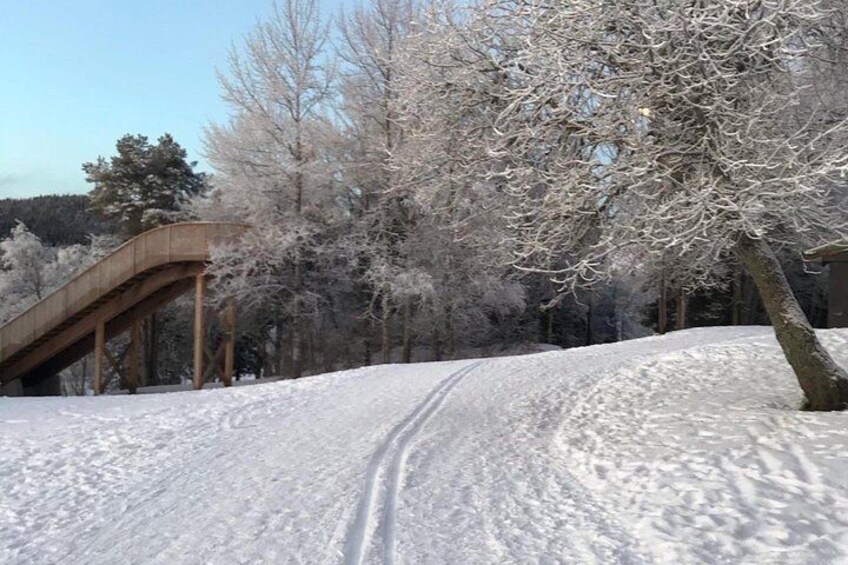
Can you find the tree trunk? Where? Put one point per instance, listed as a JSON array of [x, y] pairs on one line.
[[436, 342], [278, 349], [564, 321], [619, 327], [266, 365], [616, 315], [662, 307], [736, 306], [407, 332], [384, 327], [589, 321], [260, 359], [451, 332], [824, 383], [368, 327], [751, 305], [311, 352], [682, 304], [297, 327], [297, 322]]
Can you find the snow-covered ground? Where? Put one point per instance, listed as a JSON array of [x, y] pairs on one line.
[[678, 449]]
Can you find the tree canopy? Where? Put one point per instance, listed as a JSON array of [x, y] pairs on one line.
[[143, 185]]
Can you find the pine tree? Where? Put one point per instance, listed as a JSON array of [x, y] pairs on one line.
[[144, 185]]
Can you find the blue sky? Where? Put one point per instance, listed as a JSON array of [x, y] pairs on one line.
[[78, 74]]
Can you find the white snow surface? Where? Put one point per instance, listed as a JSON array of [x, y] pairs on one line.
[[686, 448]]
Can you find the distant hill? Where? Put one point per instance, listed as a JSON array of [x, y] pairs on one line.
[[56, 219]]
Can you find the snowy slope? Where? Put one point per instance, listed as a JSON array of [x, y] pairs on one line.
[[678, 449]]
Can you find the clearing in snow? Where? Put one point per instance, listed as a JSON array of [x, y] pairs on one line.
[[676, 449]]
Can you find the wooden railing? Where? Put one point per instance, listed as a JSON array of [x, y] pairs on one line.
[[175, 243]]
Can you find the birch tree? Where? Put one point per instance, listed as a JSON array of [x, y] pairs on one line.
[[372, 37], [278, 87], [446, 108]]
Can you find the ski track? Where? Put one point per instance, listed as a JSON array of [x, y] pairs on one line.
[[526, 503], [388, 461]]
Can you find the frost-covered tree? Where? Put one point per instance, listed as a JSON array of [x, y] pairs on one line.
[[269, 162], [677, 128], [445, 109], [24, 276], [143, 185], [30, 270], [372, 39]]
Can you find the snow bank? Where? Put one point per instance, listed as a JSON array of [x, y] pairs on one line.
[[684, 448]]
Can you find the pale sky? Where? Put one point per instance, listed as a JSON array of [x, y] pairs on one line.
[[82, 73]]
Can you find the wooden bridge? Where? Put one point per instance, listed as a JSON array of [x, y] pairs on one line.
[[112, 296]]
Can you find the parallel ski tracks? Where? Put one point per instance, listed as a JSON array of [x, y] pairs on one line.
[[384, 477]]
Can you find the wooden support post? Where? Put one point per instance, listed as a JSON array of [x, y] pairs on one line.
[[117, 362], [99, 347], [214, 365], [134, 360], [230, 345], [199, 288]]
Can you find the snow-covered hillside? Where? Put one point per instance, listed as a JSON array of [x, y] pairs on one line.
[[678, 449]]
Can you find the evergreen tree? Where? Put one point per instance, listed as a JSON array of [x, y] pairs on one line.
[[144, 185]]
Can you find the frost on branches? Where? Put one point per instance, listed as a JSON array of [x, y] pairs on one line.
[[30, 270], [681, 129], [270, 166]]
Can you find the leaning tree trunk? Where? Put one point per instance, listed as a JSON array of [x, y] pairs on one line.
[[824, 382]]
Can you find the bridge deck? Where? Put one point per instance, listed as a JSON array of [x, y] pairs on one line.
[[155, 262]]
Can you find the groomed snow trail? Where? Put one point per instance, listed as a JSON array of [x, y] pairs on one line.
[[686, 448], [387, 463]]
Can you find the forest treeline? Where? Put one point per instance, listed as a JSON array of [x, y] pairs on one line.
[[58, 219]]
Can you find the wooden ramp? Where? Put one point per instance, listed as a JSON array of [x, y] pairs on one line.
[[105, 300]]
